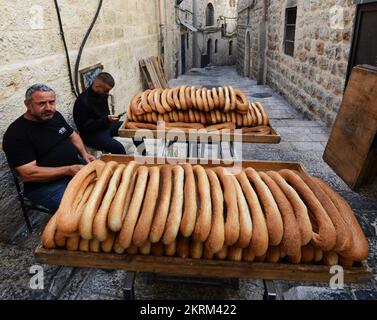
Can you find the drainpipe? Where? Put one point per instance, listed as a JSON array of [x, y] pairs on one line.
[[161, 10], [195, 35], [262, 72]]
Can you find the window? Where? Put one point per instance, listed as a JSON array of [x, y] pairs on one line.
[[210, 15], [216, 41], [290, 31], [230, 48], [188, 41]]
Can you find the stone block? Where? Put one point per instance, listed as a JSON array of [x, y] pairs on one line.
[[320, 48], [308, 146], [105, 283], [365, 294], [314, 293]]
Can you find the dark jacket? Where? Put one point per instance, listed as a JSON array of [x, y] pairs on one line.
[[91, 112]]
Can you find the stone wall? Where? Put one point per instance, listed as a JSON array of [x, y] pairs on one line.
[[184, 14], [31, 51], [313, 79], [222, 8], [170, 37], [249, 18]]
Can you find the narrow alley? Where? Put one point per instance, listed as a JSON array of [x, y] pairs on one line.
[[303, 140]]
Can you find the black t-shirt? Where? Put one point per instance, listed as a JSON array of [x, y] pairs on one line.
[[48, 143], [91, 112]]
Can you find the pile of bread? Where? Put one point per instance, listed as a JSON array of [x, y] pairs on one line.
[[206, 213], [197, 108]]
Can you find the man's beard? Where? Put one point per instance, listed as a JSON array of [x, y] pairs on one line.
[[44, 116], [47, 116]]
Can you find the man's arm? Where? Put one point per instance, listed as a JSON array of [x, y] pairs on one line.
[[80, 146], [32, 173]]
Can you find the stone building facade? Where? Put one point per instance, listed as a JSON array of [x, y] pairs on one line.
[[179, 37], [31, 51], [216, 40], [305, 57]]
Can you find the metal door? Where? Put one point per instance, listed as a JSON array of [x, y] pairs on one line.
[[364, 46]]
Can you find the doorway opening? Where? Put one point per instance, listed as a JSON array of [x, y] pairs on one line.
[[364, 51], [247, 68], [209, 51], [183, 53]]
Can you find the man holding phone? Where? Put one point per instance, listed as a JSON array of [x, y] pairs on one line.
[[93, 119]]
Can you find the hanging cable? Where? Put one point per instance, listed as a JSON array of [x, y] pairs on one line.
[[77, 66], [65, 48]]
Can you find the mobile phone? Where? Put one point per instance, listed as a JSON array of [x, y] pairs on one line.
[[121, 115]]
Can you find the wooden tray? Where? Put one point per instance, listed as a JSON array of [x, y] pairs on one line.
[[202, 268], [206, 163], [199, 268], [273, 138], [351, 150]]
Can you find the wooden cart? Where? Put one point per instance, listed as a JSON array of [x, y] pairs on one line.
[[203, 268], [273, 138], [219, 145]]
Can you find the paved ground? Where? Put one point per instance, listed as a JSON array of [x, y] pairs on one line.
[[303, 141]]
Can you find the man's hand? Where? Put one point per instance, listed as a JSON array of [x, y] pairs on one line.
[[73, 170], [88, 158], [113, 119]]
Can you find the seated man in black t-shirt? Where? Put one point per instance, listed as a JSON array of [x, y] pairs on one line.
[[44, 149], [92, 116]]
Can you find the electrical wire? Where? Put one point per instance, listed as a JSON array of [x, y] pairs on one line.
[[66, 49], [77, 66]]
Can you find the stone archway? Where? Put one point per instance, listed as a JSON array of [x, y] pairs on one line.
[[248, 59]]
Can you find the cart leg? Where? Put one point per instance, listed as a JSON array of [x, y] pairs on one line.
[[138, 143], [128, 290], [269, 291], [236, 148], [231, 147], [234, 284], [170, 143], [168, 148], [192, 150]]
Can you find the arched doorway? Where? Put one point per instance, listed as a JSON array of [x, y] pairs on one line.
[[209, 50], [247, 68]]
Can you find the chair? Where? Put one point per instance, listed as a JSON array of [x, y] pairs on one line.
[[26, 204]]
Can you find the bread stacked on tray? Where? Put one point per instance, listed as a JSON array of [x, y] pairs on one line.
[[206, 213], [197, 108]]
